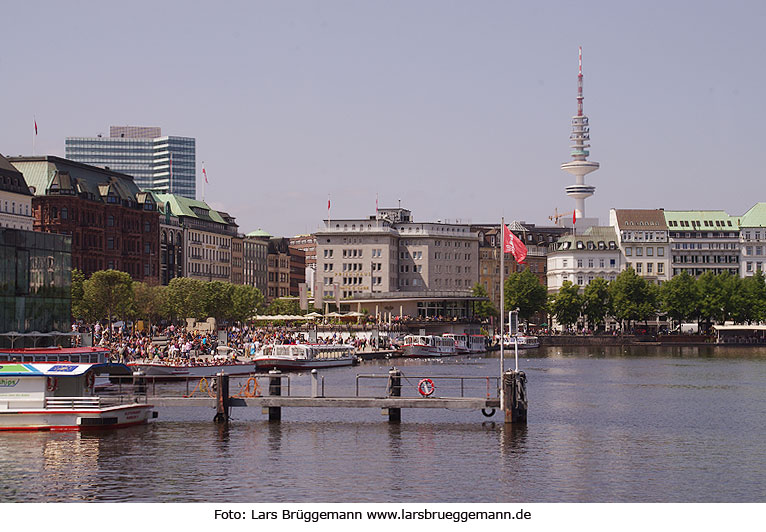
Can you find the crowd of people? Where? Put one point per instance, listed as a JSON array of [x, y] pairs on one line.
[[176, 345]]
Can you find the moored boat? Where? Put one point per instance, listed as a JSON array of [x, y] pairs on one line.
[[428, 346], [225, 361], [61, 396], [305, 356]]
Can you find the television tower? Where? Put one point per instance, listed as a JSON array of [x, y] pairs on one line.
[[580, 166]]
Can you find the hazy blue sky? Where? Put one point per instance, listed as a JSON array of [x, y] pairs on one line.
[[460, 109]]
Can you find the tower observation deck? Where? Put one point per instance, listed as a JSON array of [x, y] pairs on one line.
[[580, 166]]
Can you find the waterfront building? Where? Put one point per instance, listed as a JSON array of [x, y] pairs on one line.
[[278, 268], [165, 164], [307, 244], [752, 240], [112, 223], [35, 282], [171, 244], [297, 270], [538, 240], [642, 235], [207, 237], [15, 198], [389, 252], [581, 258], [238, 259], [580, 166], [702, 241], [255, 260]]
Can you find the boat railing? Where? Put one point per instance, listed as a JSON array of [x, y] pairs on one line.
[[451, 383], [73, 403]]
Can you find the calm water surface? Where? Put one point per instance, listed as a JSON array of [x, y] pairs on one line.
[[630, 425]]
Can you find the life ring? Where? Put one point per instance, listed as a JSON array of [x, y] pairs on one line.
[[53, 384], [486, 413], [426, 387], [90, 380]]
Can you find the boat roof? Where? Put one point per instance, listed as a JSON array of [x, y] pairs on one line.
[[55, 369], [48, 350]]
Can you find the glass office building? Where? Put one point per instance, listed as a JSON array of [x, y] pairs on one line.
[[35, 281], [163, 164]]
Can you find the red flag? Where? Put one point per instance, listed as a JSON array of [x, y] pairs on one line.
[[35, 126], [574, 217], [514, 246], [203, 172], [328, 204]]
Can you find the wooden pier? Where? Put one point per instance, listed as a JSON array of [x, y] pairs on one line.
[[512, 397]]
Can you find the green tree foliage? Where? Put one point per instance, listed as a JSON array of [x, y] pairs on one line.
[[483, 309], [186, 298], [754, 287], [567, 304], [151, 302], [245, 302], [524, 291], [680, 297], [284, 306], [108, 294], [597, 303], [633, 298]]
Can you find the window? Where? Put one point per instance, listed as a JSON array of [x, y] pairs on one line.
[[639, 267], [660, 268], [639, 252], [660, 252], [628, 252], [649, 252], [649, 267]]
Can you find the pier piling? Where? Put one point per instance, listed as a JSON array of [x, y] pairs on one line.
[[275, 388], [222, 399], [394, 390], [514, 402]]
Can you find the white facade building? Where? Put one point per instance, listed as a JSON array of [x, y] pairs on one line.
[[389, 252], [752, 240], [642, 235], [15, 198], [582, 258], [702, 241]]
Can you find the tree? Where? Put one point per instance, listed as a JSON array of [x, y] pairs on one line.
[[284, 306], [633, 298], [78, 292], [567, 304], [597, 303], [524, 291], [218, 299], [186, 298], [680, 297], [483, 309], [151, 302], [245, 302], [108, 294], [755, 288]]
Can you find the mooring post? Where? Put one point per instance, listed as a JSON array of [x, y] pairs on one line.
[[222, 398], [394, 390], [139, 383], [275, 388], [314, 383], [514, 396]]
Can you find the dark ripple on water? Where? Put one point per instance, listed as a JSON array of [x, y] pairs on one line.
[[624, 427]]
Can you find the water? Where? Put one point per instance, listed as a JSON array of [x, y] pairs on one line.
[[605, 425]]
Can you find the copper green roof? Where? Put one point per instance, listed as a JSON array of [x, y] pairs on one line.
[[259, 233], [701, 221], [183, 206], [602, 238], [755, 217]]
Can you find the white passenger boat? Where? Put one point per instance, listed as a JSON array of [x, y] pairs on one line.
[[305, 356], [524, 342], [428, 346], [61, 396], [209, 367]]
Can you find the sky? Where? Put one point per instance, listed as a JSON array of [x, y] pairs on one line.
[[461, 110]]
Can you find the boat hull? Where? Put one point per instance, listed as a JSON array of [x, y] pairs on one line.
[[427, 351], [75, 419], [163, 370], [297, 364]]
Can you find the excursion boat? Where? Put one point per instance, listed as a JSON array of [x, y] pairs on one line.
[[305, 356], [524, 342], [429, 346], [222, 362], [468, 344], [60, 395]]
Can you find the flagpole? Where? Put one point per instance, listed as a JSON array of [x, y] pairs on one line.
[[502, 299], [34, 138]]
